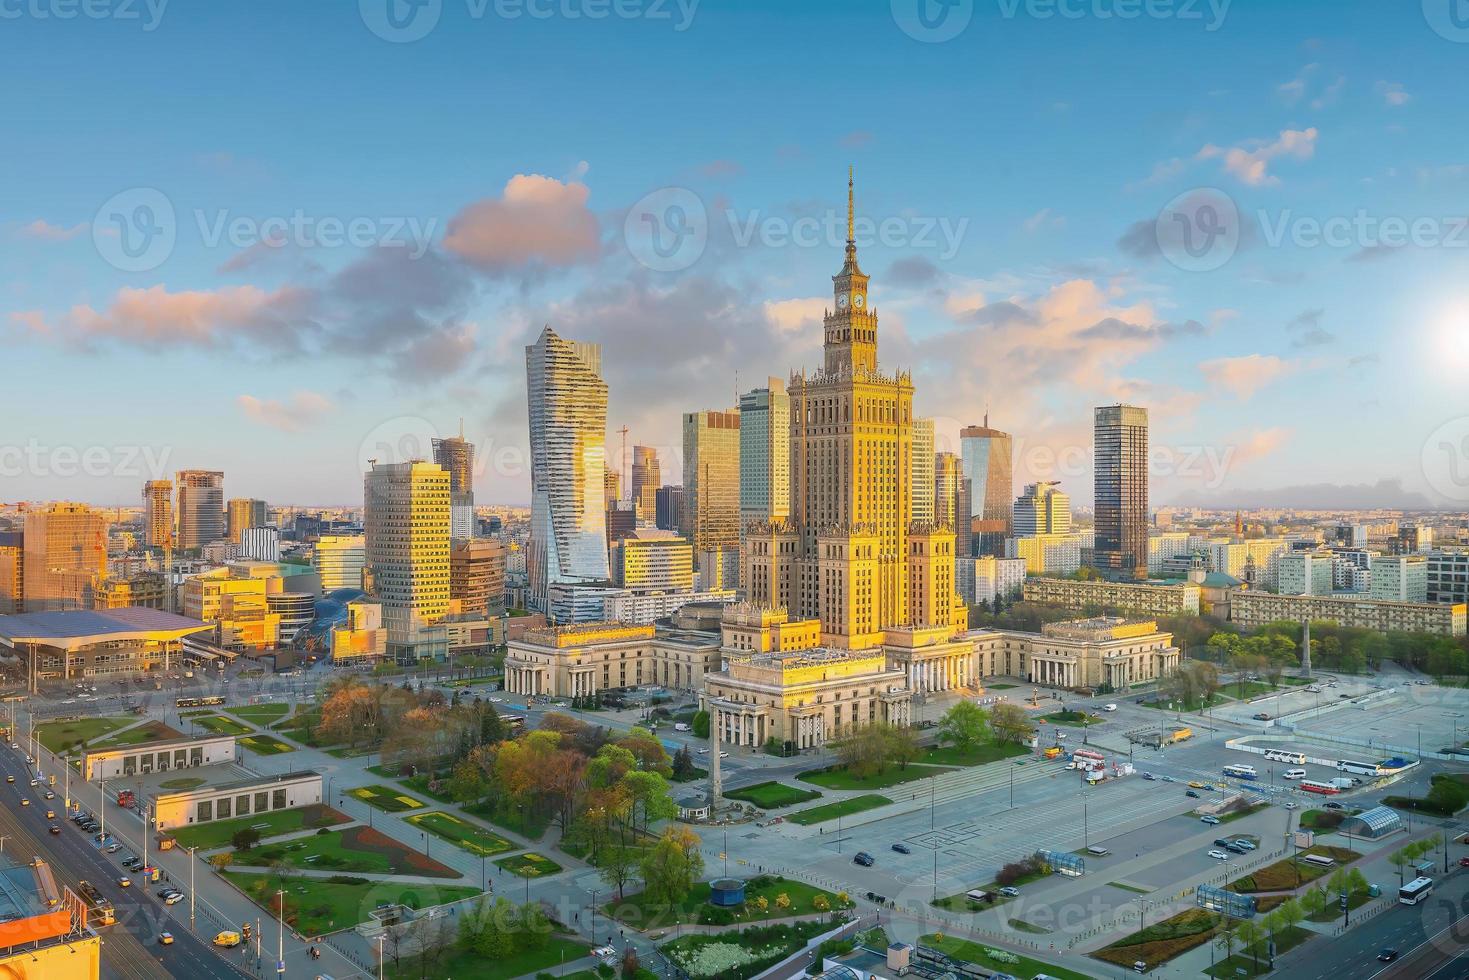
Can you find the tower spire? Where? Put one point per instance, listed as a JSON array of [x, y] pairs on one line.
[[851, 210]]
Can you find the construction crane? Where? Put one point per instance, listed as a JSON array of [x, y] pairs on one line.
[[626, 484]]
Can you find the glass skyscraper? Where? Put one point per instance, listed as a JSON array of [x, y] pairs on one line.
[[987, 456], [1120, 439]]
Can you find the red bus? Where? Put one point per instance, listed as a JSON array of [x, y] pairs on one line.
[[1325, 789]]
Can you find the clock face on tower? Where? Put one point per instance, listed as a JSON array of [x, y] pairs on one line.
[[842, 302], [858, 300]]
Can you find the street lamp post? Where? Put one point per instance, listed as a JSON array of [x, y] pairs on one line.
[[380, 938], [191, 889], [280, 931]]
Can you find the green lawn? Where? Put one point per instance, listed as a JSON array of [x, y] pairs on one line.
[[357, 850], [1332, 911], [467, 963], [264, 744], [461, 833], [1075, 719], [1164, 940], [531, 826], [1242, 964], [771, 795], [1024, 966], [315, 906], [999, 687], [637, 912], [528, 865], [962, 903], [1193, 704], [386, 798], [418, 783], [56, 735], [207, 836], [979, 755], [148, 731], [220, 725], [841, 808], [838, 777], [261, 714]]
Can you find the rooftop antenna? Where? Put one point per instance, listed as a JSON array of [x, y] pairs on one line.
[[623, 463]]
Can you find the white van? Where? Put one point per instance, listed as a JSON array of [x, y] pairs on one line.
[[1294, 774], [1109, 707], [682, 726]]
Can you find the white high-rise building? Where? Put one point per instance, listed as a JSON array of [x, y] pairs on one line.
[[567, 401], [922, 467], [1165, 546], [339, 560], [765, 453], [1042, 509], [260, 544], [1305, 573], [406, 529], [1400, 578]]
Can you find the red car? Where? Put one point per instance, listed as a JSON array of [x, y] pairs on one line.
[[1464, 862]]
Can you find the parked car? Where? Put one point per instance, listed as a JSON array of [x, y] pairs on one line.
[[864, 859], [1168, 779], [1195, 784], [902, 848], [1248, 845], [113, 848], [1234, 848], [1210, 819], [1192, 793], [1010, 891], [1218, 855], [173, 898], [1222, 842]]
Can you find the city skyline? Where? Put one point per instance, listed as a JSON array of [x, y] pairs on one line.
[[1011, 282]]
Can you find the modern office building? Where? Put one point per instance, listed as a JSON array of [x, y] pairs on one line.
[[361, 638], [646, 479], [850, 556], [922, 465], [242, 513], [669, 508], [456, 455], [1249, 609], [200, 512], [125, 761], [622, 519], [1137, 599], [339, 559], [611, 487], [146, 589], [1042, 509], [986, 578], [1400, 578], [406, 526], [12, 572], [477, 577], [1120, 497], [1413, 539], [246, 797], [1305, 573], [158, 514], [711, 479], [765, 453], [987, 458], [1448, 576], [293, 612], [260, 544], [64, 557], [653, 560], [567, 401]]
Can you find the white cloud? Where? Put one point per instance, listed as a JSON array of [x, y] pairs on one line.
[[290, 415], [43, 230], [538, 222], [1243, 376], [1249, 161], [1393, 94]]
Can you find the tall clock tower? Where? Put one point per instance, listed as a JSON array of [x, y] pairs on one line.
[[851, 329]]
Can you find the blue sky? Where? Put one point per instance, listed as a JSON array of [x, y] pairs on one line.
[[489, 169]]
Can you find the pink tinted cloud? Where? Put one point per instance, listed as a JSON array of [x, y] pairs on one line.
[[538, 222]]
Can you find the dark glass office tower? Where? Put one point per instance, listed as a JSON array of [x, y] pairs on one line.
[[1120, 439]]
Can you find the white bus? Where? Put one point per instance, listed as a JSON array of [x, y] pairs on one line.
[[1280, 755], [1240, 772], [1362, 768], [1320, 860], [1415, 891]]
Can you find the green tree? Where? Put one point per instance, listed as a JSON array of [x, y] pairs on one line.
[[1291, 914], [245, 838], [965, 726], [1313, 901], [1251, 937], [1226, 938], [1011, 723], [671, 867], [700, 724]]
